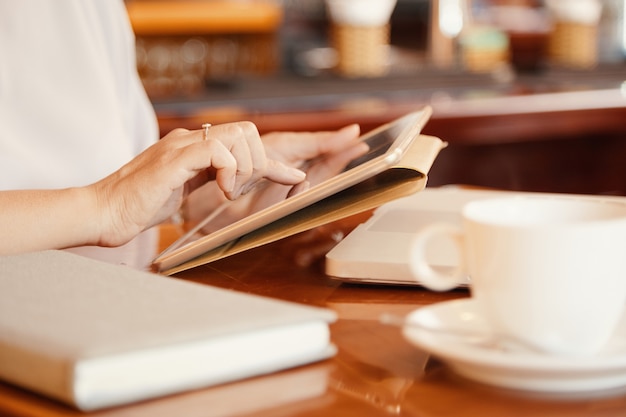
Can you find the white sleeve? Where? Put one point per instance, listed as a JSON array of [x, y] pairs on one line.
[[72, 107]]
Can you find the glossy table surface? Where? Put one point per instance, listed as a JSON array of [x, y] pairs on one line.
[[376, 372]]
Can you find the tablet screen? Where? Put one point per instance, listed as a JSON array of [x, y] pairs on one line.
[[379, 143]]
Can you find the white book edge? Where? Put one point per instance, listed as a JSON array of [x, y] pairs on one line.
[[125, 378], [100, 382]]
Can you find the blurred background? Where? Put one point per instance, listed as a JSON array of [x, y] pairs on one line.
[[529, 94]]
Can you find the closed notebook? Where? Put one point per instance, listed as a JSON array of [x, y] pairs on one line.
[[93, 334]]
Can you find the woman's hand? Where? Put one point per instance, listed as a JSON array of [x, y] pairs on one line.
[[151, 187], [322, 154], [325, 153]]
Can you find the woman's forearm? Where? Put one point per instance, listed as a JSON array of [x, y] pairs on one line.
[[46, 219]]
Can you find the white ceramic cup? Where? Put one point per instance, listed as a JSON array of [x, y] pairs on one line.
[[546, 270]]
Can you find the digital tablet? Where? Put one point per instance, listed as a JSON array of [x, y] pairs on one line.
[[234, 219]]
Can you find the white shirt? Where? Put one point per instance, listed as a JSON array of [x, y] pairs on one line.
[[72, 107]]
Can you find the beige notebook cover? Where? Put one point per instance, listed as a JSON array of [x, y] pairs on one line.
[[94, 335]]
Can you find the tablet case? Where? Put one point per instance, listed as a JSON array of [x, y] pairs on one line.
[[406, 177]]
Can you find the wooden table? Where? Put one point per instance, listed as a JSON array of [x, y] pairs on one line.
[[375, 372]]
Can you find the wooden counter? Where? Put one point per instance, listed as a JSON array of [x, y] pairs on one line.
[[562, 131]]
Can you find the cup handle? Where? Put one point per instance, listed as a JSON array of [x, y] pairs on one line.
[[423, 271]]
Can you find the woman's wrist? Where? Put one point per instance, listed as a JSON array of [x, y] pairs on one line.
[[96, 201], [89, 218]]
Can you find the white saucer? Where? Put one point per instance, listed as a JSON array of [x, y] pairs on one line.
[[516, 368]]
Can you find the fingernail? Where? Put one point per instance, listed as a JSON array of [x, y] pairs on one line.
[[353, 126], [297, 173]]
